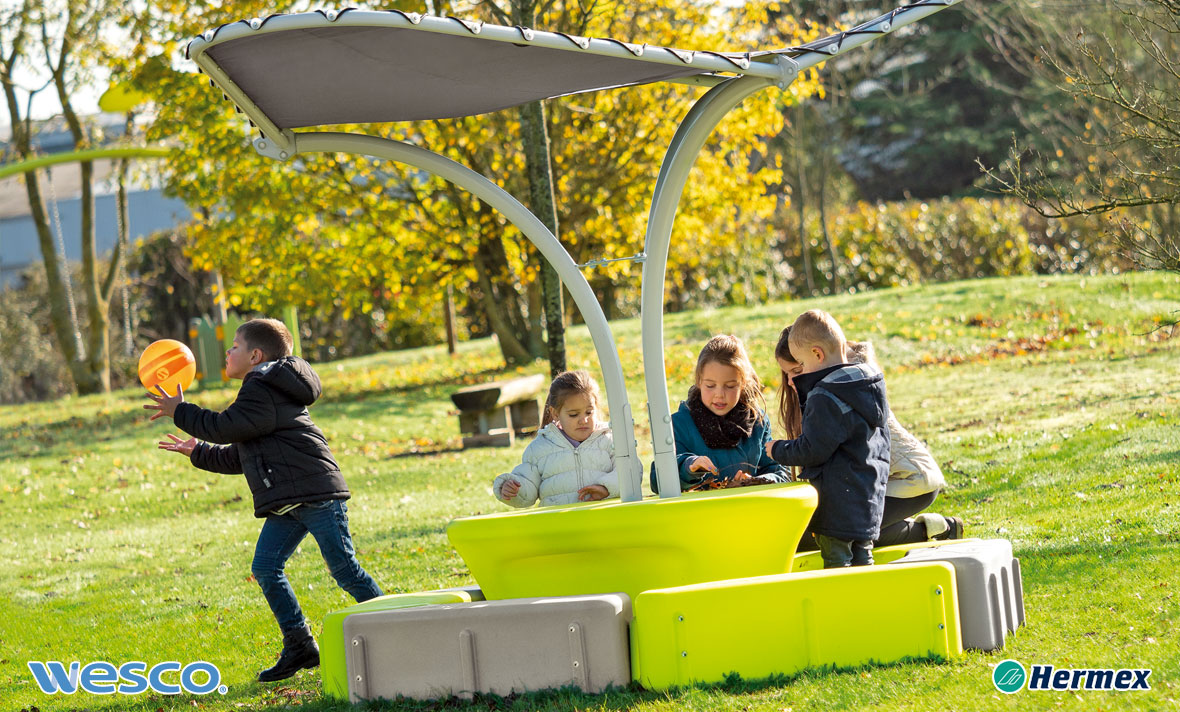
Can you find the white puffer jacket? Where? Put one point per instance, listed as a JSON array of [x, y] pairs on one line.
[[553, 470], [912, 469]]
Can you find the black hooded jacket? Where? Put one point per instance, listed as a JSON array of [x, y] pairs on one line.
[[843, 450], [267, 434]]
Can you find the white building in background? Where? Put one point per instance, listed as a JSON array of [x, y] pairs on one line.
[[149, 210]]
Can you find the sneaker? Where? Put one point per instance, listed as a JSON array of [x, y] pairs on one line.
[[954, 530], [299, 652]]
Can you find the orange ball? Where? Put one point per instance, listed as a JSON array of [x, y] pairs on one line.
[[168, 363]]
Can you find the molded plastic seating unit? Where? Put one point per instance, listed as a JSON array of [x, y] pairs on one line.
[[758, 627], [602, 547], [497, 647], [333, 669], [991, 596]]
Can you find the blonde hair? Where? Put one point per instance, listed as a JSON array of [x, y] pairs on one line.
[[816, 327], [789, 412], [566, 385], [728, 350], [862, 352]]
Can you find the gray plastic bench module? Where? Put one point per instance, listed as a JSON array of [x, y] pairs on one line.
[[991, 597], [499, 647]]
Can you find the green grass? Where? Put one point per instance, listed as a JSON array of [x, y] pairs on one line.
[[1050, 402]]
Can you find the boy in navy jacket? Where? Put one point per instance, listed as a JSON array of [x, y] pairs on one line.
[[844, 446], [267, 435]]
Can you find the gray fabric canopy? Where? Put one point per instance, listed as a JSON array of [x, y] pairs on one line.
[[369, 66], [375, 74]]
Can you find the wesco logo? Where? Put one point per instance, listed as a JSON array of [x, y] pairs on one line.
[[132, 678]]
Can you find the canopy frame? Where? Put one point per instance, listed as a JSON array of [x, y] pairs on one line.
[[626, 460], [754, 72]]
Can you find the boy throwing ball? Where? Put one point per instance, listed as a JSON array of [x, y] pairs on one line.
[[267, 435]]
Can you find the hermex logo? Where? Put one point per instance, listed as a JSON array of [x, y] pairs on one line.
[[1009, 677], [131, 678]]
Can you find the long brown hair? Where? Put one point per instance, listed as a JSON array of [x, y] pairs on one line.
[[728, 350], [789, 413], [565, 385]]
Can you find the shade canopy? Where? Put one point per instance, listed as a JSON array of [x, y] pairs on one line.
[[370, 66], [335, 75], [315, 69]]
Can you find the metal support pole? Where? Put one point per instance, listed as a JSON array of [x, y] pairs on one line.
[[682, 154], [622, 422]]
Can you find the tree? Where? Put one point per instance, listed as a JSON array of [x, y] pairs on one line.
[[539, 167], [908, 114], [813, 139], [63, 41], [1114, 144]]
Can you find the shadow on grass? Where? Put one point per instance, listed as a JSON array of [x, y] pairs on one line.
[[69, 436], [397, 533], [425, 453], [615, 698], [1161, 458], [350, 393], [1059, 562]]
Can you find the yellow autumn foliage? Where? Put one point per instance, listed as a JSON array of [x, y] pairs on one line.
[[349, 236]]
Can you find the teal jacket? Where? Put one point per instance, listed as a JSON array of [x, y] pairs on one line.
[[749, 454]]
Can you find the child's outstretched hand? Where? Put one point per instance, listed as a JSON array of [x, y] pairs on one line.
[[184, 447], [701, 463], [165, 403], [509, 489], [592, 493], [770, 447]]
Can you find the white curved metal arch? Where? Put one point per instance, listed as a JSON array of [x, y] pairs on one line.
[[622, 421], [682, 154]]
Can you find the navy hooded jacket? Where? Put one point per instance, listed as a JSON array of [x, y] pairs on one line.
[[844, 451], [267, 434]]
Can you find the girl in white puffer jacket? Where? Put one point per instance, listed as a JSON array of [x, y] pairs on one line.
[[572, 458]]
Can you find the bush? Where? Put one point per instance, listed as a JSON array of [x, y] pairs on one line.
[[892, 244], [31, 366]]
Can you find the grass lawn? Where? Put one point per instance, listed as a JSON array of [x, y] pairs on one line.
[[1050, 402]]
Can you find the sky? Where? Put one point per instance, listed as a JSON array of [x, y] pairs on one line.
[[45, 104]]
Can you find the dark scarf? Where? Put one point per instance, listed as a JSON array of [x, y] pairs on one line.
[[720, 432]]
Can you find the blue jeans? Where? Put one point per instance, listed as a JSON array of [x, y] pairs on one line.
[[281, 533]]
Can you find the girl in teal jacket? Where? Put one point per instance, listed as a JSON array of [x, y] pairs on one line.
[[722, 429]]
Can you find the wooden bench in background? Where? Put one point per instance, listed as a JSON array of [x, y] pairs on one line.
[[493, 413]]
